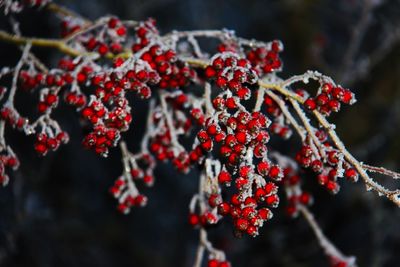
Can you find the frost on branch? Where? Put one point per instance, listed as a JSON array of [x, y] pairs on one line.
[[215, 109]]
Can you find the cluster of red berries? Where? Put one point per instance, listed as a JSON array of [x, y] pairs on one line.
[[232, 72], [48, 101], [7, 160], [229, 131], [249, 207], [75, 99], [119, 117], [109, 42], [271, 107], [198, 116], [329, 177], [129, 200], [45, 142], [329, 99], [30, 81], [266, 59], [94, 111], [329, 168], [173, 73], [163, 149], [236, 134], [12, 117], [113, 34], [294, 194], [141, 167], [203, 219], [101, 139], [137, 79], [279, 128], [161, 144], [218, 263]]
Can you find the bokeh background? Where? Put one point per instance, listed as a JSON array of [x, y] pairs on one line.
[[56, 211]]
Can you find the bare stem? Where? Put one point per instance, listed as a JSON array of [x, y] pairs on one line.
[[200, 249], [260, 99], [42, 42], [328, 247], [169, 122], [18, 68], [381, 170], [207, 99], [357, 36], [65, 12]]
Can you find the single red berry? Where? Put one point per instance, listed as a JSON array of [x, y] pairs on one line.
[[242, 224], [351, 174], [103, 49], [213, 263], [275, 172], [224, 178], [210, 72], [224, 208], [322, 99], [310, 104]]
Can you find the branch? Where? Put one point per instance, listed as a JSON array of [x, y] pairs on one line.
[[21, 62], [170, 123], [381, 170], [328, 247], [357, 36], [65, 12], [300, 130], [200, 249], [309, 128], [282, 88], [393, 195], [41, 42]]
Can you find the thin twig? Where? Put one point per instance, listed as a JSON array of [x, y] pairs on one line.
[[328, 247], [21, 62], [300, 130]]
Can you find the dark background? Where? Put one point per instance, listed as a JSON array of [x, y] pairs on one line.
[[56, 211]]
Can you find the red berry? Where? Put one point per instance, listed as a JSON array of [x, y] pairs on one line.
[[210, 72], [351, 174], [242, 224], [224, 178], [224, 208], [213, 263], [310, 104], [103, 49], [194, 219]]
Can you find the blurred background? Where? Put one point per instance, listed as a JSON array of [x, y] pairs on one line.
[[57, 211]]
